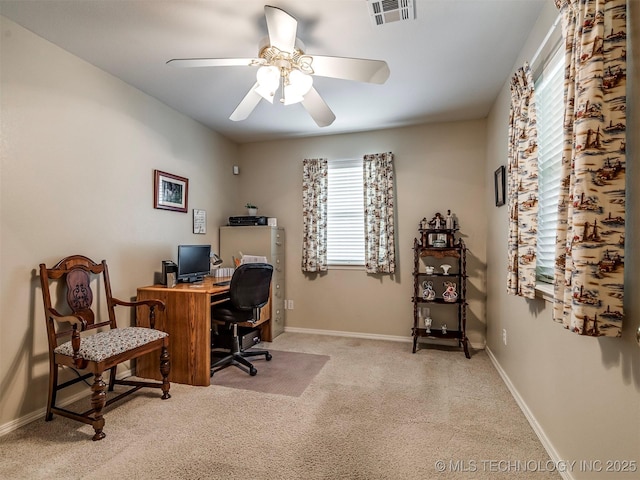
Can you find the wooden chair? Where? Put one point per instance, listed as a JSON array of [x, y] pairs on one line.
[[103, 346]]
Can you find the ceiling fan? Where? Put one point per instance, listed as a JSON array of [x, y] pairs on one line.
[[283, 64]]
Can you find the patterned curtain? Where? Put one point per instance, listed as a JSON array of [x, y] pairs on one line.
[[379, 201], [589, 272], [314, 215], [522, 174]]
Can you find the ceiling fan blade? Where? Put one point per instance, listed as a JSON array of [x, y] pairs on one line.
[[358, 69], [317, 108], [282, 28], [246, 106], [214, 62]]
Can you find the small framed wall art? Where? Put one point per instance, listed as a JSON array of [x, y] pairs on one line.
[[199, 221], [170, 192], [499, 184]]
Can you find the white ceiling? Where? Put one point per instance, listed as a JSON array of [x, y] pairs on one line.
[[448, 64]]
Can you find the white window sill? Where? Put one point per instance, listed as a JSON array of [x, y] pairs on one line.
[[544, 291]]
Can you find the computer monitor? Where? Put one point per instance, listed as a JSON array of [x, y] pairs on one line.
[[193, 262]]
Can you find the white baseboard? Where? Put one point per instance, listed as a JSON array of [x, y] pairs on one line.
[[537, 428], [40, 413], [340, 333], [369, 336]]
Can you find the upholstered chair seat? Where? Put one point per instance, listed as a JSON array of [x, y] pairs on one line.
[[102, 345]]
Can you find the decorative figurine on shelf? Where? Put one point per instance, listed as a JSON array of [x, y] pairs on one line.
[[423, 224], [437, 222], [449, 223], [450, 295], [427, 324], [445, 268], [429, 270], [444, 328], [428, 293]]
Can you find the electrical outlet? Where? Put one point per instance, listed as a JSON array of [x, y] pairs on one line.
[[290, 305], [504, 336]]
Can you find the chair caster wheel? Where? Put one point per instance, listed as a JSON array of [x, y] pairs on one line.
[[253, 371], [268, 356]]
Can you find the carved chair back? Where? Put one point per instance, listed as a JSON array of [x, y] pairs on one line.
[[78, 274]]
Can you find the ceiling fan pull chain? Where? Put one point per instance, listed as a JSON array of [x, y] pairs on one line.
[[285, 79]]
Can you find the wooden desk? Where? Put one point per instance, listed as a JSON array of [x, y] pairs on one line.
[[187, 320]]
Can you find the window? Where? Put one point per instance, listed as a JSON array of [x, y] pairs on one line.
[[549, 98], [345, 213]]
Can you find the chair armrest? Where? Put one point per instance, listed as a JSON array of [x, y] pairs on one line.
[[150, 303], [74, 320]]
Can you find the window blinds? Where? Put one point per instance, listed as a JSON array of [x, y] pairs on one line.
[[549, 95], [345, 213]]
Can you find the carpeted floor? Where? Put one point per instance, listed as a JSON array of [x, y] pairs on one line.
[[287, 373], [374, 411]]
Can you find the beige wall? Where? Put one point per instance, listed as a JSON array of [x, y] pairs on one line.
[[437, 167], [78, 152], [583, 393]]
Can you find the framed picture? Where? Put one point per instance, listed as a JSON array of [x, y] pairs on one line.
[[499, 184], [199, 221], [170, 192]]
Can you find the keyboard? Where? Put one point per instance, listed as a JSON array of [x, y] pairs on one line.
[[223, 284]]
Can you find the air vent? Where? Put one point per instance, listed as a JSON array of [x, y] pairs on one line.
[[387, 11]]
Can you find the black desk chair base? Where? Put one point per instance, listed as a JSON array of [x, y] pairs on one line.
[[236, 357]]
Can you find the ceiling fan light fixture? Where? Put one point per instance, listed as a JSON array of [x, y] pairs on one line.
[[284, 65], [296, 87], [268, 78]]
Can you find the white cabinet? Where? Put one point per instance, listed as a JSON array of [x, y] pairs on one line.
[[264, 241]]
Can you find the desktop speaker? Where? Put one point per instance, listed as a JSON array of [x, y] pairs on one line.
[[169, 273]]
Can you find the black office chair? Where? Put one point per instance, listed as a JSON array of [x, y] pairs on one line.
[[248, 292]]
